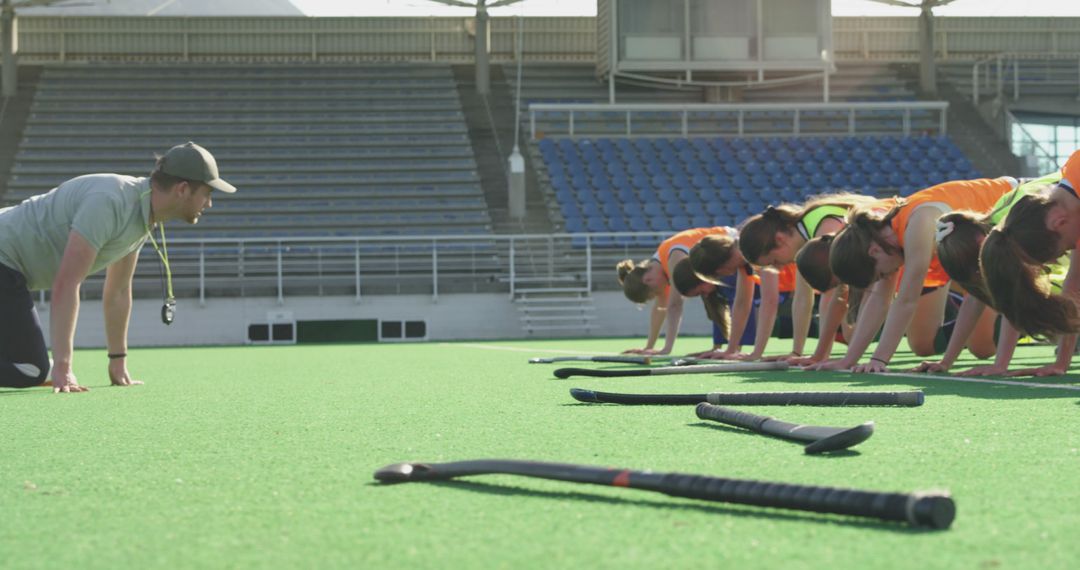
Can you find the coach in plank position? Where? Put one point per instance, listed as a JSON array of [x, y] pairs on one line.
[[89, 223]]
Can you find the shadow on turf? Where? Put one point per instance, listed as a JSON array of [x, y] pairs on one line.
[[931, 386], [840, 453], [747, 511]]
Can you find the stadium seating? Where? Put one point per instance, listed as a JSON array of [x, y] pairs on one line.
[[316, 150], [720, 181]]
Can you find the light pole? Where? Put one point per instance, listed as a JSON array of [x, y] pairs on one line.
[[9, 32], [927, 65], [9, 80], [483, 77]]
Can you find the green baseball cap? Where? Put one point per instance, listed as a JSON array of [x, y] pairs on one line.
[[193, 162]]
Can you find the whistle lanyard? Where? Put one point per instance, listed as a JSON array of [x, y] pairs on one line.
[[163, 254]]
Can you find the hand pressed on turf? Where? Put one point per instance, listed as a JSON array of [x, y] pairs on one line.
[[646, 351], [931, 366], [63, 380], [119, 375], [985, 370], [870, 367], [1048, 370], [832, 364]]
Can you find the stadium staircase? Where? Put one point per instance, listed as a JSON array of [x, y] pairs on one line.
[[988, 152], [316, 151], [14, 112]]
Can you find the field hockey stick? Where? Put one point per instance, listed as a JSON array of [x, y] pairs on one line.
[[913, 398], [822, 439], [626, 359], [660, 370], [934, 509]]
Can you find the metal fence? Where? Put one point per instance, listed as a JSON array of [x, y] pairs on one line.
[[359, 266], [682, 120], [44, 39], [1019, 73]]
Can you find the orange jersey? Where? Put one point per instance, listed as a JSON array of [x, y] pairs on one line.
[[786, 278], [1070, 173], [975, 195], [685, 240]]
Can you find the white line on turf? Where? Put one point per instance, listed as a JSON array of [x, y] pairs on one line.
[[518, 349], [895, 374], [979, 380]]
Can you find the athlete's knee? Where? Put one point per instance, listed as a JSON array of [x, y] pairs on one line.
[[28, 374], [982, 352], [922, 347]]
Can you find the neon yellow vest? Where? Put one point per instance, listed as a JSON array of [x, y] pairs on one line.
[[808, 224]]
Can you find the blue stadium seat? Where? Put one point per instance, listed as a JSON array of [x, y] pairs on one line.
[[595, 225], [674, 208], [637, 224]]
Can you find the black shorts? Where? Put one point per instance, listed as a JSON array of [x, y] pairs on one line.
[[24, 359]]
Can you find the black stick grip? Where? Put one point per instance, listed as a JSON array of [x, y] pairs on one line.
[[935, 510], [568, 372], [729, 416], [914, 398]]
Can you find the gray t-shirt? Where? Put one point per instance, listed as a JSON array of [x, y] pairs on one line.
[[111, 211]]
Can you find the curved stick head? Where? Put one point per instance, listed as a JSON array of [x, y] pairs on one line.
[[842, 440], [402, 472], [583, 395]]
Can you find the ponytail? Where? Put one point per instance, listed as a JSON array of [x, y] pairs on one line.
[[682, 275], [1012, 260], [716, 307], [631, 277], [959, 238]]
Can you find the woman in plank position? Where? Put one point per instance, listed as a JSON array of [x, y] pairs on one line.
[[960, 236], [872, 249], [1039, 228], [717, 259], [652, 280], [774, 238]]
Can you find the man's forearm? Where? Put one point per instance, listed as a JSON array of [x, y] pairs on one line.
[[63, 313], [117, 315]]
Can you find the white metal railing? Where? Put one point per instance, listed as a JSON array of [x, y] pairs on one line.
[[76, 38], [993, 75], [280, 267], [802, 116], [45, 39]]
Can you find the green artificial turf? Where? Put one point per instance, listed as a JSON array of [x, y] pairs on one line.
[[263, 457]]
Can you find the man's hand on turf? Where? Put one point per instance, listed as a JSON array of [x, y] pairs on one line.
[[63, 380], [119, 375]]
